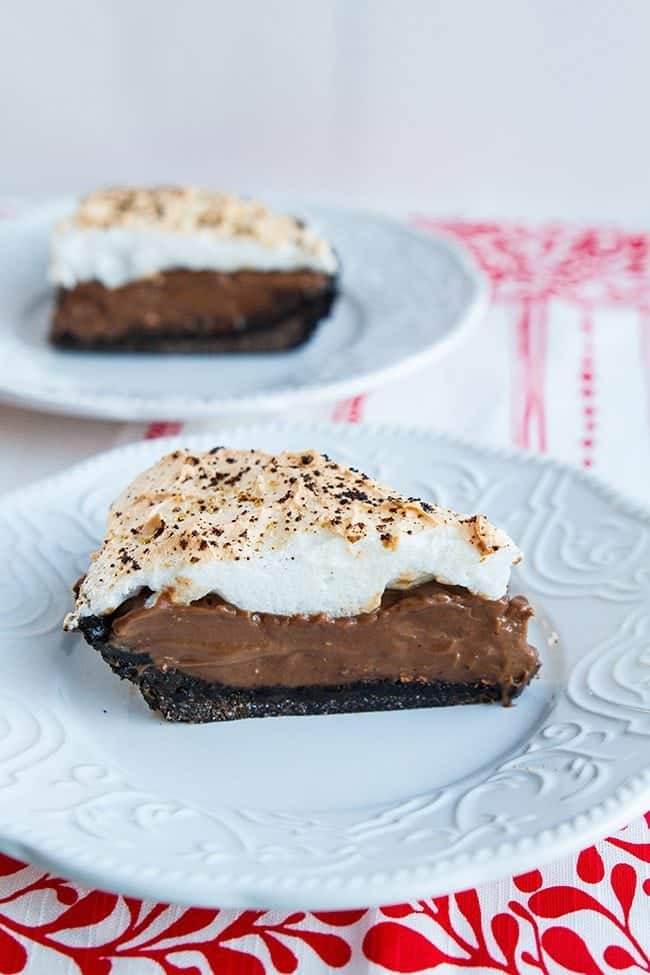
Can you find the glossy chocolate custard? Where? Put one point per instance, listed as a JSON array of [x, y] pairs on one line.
[[429, 633], [182, 310]]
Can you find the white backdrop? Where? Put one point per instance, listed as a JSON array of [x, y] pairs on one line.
[[503, 107]]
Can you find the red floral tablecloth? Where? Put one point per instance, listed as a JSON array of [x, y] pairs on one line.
[[561, 364]]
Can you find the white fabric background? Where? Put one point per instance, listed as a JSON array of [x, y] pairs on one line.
[[510, 107]]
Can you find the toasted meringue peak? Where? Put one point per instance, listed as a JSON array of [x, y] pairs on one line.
[[122, 234], [294, 533]]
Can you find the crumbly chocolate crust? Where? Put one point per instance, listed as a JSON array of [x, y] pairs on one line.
[[185, 698]]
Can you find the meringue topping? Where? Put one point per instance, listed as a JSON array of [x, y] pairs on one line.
[[123, 234], [290, 534]]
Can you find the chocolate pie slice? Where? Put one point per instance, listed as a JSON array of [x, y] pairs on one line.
[[185, 270], [235, 584]]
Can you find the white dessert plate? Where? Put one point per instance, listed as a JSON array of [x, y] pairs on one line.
[[405, 296], [341, 811]]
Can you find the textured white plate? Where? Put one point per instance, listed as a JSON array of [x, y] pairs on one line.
[[330, 811], [405, 296]]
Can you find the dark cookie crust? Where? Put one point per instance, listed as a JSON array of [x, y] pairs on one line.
[[183, 697]]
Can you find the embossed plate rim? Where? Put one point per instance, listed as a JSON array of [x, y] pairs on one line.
[[356, 885]]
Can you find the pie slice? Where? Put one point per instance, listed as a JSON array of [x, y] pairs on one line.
[[235, 584], [184, 270]]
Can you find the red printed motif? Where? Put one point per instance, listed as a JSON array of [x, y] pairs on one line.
[[176, 939], [349, 410], [540, 926], [162, 428], [583, 267], [587, 390], [602, 895]]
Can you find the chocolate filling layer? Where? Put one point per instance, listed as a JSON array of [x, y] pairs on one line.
[[183, 310], [431, 633]]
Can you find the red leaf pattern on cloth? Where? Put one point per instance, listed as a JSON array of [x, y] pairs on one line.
[[331, 948], [470, 907], [99, 966], [567, 948], [557, 901], [400, 949], [13, 956], [282, 958], [623, 880], [338, 918], [639, 850], [193, 920], [618, 958], [590, 866], [9, 866], [397, 910], [95, 905], [506, 934], [65, 894], [528, 881], [143, 938], [226, 961]]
